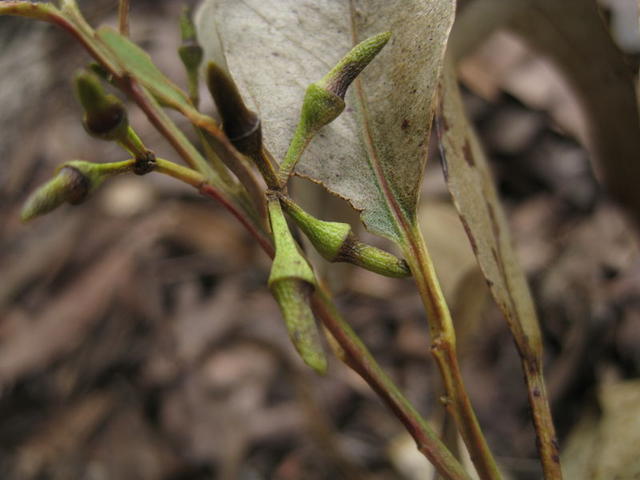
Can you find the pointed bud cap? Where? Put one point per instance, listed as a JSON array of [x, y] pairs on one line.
[[293, 299], [324, 100], [372, 258], [345, 72], [69, 185], [73, 183], [241, 125], [292, 281], [105, 116], [187, 28], [336, 243]]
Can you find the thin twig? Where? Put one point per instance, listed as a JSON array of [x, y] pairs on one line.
[[123, 17], [268, 167], [547, 441]]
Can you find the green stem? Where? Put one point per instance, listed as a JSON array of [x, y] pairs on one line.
[[132, 143], [299, 142], [185, 148], [169, 130], [546, 434], [37, 11], [123, 17], [443, 349], [179, 172], [214, 159]]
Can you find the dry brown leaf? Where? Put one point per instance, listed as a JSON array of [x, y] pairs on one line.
[[606, 448], [474, 195], [443, 232], [471, 185], [66, 320], [572, 34]]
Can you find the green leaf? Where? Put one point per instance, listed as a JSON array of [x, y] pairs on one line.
[[374, 153], [138, 63]]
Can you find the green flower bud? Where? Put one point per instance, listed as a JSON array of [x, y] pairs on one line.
[[73, 183], [69, 185], [345, 72], [324, 100], [372, 258], [241, 125], [292, 296], [190, 52], [104, 115], [336, 242], [291, 282], [319, 108]]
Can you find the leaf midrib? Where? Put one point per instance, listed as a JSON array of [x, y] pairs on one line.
[[403, 223]]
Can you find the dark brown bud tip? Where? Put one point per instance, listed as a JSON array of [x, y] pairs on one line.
[[101, 124], [104, 115], [241, 125]]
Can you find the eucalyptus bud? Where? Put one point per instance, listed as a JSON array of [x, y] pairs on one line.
[[191, 53], [346, 70], [291, 282], [324, 100], [72, 183], [336, 242], [105, 116], [240, 124]]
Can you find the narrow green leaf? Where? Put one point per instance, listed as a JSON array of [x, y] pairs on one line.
[[138, 63]]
